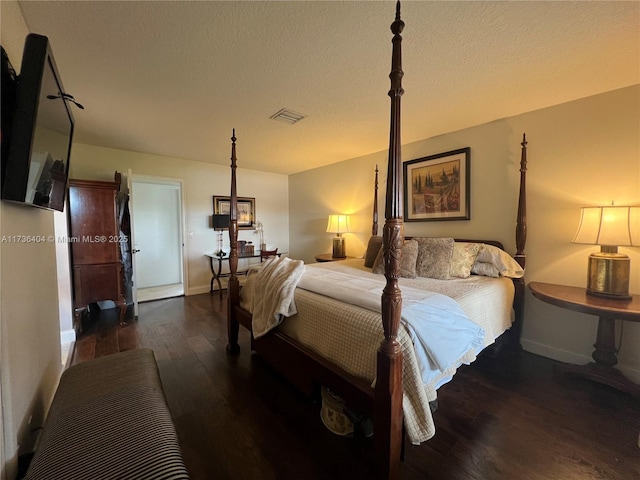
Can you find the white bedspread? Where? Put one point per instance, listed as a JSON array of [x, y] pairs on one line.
[[349, 335], [274, 293], [438, 326]]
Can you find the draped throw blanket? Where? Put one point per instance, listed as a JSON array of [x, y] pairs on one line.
[[439, 328], [274, 289]]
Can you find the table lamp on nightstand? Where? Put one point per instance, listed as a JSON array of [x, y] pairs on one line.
[[219, 223], [609, 227], [338, 224]]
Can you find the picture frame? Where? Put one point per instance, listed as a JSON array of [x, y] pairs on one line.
[[246, 210], [437, 187]]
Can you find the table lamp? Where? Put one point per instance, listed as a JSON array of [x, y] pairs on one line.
[[609, 227], [338, 224], [219, 222]]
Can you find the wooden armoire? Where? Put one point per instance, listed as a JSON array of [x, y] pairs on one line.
[[95, 245]]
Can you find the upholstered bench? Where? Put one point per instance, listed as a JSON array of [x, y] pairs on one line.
[[109, 420]]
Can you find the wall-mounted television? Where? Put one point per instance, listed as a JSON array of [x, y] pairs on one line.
[[36, 166]]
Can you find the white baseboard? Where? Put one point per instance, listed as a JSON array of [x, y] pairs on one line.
[[67, 336], [198, 290], [554, 353], [205, 288], [67, 342]]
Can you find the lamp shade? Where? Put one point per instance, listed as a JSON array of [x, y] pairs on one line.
[[338, 224], [220, 222], [612, 225]]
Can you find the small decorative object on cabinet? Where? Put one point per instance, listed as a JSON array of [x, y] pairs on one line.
[[95, 246]]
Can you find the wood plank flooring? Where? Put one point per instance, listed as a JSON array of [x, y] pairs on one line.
[[237, 419]]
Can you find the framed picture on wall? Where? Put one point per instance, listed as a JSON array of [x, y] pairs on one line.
[[437, 187], [246, 210]]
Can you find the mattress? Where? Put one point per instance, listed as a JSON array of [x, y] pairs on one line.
[[349, 335]]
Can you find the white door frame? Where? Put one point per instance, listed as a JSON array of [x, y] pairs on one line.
[[132, 177]]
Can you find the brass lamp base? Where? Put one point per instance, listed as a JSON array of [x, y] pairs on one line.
[[339, 247], [608, 275]]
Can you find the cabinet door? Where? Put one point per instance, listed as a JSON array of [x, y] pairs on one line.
[[95, 283], [93, 224]]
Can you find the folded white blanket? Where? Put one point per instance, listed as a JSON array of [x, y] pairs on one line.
[[442, 331], [273, 297], [438, 326]]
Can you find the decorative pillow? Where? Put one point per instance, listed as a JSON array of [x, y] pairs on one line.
[[464, 256], [373, 247], [408, 264], [486, 269], [501, 260], [434, 257]]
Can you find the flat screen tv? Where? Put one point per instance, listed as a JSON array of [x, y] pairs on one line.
[[36, 166]]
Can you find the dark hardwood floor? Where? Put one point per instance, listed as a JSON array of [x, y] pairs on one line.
[[237, 419]]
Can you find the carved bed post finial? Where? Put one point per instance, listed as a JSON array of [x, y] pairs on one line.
[[521, 226], [233, 286], [374, 227], [233, 211], [393, 232], [515, 332], [388, 394]]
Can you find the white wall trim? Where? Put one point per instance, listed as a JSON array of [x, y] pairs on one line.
[[67, 336], [205, 288], [201, 289], [565, 356]]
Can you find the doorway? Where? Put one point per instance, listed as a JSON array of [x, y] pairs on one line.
[[157, 238]]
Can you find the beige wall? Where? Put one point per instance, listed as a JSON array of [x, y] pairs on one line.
[[29, 326], [581, 153], [201, 181], [571, 145]]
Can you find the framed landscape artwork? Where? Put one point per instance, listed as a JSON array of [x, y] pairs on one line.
[[246, 210], [437, 187]]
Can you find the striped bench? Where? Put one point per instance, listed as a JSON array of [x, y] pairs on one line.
[[109, 419]]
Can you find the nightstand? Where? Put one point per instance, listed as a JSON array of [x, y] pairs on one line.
[[608, 310], [328, 257]]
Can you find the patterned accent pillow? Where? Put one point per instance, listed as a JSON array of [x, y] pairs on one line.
[[501, 260], [373, 247], [408, 264], [464, 255], [434, 257]]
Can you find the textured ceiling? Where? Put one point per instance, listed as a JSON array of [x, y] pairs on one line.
[[174, 77]]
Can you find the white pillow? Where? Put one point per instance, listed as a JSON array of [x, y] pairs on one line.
[[485, 269], [501, 260]]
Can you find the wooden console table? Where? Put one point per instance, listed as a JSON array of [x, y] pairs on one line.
[[605, 353], [215, 264]]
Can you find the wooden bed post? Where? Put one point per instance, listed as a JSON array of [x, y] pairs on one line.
[[521, 226], [520, 257], [374, 226], [233, 286], [388, 392]]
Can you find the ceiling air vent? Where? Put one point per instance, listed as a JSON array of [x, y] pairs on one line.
[[287, 116]]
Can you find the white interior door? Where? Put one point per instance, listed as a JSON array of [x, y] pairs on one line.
[[157, 238]]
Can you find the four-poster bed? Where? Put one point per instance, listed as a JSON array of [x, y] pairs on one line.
[[308, 366]]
